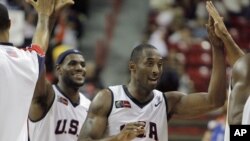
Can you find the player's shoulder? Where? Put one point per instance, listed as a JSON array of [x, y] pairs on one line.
[[84, 101], [35, 48], [242, 65]]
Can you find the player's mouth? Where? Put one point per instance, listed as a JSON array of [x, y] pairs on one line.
[[154, 80], [78, 75]]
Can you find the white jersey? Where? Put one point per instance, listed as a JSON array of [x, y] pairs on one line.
[[125, 109], [63, 121], [227, 130], [19, 71], [246, 113]]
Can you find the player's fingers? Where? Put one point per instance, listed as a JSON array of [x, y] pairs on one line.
[[63, 3], [32, 2], [70, 2]]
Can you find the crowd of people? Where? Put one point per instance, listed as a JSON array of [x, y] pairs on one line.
[[40, 109]]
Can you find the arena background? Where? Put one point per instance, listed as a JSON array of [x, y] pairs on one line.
[[107, 30]]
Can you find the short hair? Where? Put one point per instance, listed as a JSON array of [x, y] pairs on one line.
[[137, 51], [4, 18]]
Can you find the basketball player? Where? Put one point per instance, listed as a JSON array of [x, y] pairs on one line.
[[58, 111], [19, 71], [137, 111], [238, 105]]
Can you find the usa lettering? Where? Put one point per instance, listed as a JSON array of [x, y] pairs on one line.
[[151, 133], [67, 127]]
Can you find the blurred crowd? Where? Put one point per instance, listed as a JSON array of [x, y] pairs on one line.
[[176, 28]]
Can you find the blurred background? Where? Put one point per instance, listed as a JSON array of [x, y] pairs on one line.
[[106, 31]]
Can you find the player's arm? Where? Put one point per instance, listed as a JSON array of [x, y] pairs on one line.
[[96, 122], [48, 11], [232, 49], [44, 9], [199, 103], [42, 99], [240, 91]]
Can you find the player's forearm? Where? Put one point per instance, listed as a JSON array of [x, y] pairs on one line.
[[232, 49], [41, 36], [217, 86]]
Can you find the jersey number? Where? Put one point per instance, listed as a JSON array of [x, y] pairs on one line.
[[61, 127]]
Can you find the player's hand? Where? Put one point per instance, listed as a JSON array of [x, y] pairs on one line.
[[215, 41], [60, 4], [131, 131], [44, 7], [220, 28]]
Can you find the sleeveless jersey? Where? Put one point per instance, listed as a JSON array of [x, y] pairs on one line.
[[246, 113], [63, 121], [125, 110], [19, 71], [227, 131]]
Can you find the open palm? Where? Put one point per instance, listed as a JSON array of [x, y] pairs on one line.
[[45, 7]]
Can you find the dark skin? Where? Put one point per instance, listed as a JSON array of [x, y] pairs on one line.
[[72, 71], [240, 66], [48, 11], [144, 76]]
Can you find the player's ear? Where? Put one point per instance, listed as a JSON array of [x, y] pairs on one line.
[[58, 69], [131, 65]]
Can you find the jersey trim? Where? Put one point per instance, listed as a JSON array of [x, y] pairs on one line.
[[112, 101], [37, 49], [166, 103], [41, 63], [46, 112], [73, 104], [138, 103], [6, 44]]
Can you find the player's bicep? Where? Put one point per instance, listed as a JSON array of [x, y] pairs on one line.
[[42, 98], [96, 122], [190, 105]]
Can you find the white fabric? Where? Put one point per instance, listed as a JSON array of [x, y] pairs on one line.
[[19, 70], [154, 114], [63, 121], [246, 113]]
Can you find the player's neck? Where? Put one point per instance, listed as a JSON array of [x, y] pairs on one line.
[[141, 95], [70, 93], [4, 36]]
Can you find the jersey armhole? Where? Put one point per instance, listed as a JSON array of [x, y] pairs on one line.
[[46, 112], [36, 48], [112, 101], [166, 103]]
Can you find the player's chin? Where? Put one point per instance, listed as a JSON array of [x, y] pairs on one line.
[[152, 86], [79, 83]]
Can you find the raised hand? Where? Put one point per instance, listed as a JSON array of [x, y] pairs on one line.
[[62, 3], [220, 28], [44, 7], [215, 41], [131, 131]]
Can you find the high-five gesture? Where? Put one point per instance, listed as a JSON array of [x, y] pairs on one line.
[[62, 3], [232, 49], [220, 28], [214, 39], [45, 7]]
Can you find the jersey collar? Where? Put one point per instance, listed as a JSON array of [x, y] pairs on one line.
[[6, 43]]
